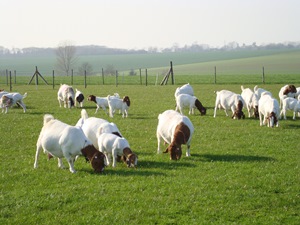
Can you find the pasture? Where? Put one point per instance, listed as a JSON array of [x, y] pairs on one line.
[[238, 172]]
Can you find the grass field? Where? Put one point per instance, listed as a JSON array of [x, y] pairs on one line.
[[239, 172]]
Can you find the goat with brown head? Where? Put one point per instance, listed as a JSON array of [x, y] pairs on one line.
[[96, 158]]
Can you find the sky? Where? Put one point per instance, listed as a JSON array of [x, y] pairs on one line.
[[140, 24]]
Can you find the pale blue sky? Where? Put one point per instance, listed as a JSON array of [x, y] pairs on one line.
[[143, 23]]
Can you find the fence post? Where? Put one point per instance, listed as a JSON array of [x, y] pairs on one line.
[[263, 75], [84, 78], [53, 79], [15, 76], [140, 76], [215, 74], [116, 78], [10, 86], [102, 76], [146, 77]]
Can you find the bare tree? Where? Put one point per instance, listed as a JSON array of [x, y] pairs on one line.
[[85, 67], [66, 57]]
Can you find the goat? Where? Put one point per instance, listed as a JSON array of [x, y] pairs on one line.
[[230, 100], [287, 91], [111, 144], [258, 91], [79, 97], [176, 130], [290, 104], [251, 101], [185, 89], [66, 95], [121, 104], [269, 111], [62, 140], [185, 100], [9, 99]]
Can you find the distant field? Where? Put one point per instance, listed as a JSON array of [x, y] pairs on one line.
[[203, 63]]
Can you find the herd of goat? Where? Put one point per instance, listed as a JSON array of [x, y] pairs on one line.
[[99, 140]]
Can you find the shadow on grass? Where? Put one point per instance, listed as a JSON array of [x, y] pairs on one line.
[[233, 158]]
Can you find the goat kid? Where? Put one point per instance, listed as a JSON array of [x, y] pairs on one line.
[[66, 96], [185, 100], [269, 111], [101, 102], [184, 89], [112, 145], [9, 99], [230, 101], [259, 91], [62, 140], [118, 104], [176, 130], [290, 104]]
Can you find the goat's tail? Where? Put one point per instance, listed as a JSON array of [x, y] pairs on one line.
[[242, 87], [47, 118], [84, 114], [25, 95]]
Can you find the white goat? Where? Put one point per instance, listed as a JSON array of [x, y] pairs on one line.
[[185, 89], [258, 91], [66, 95], [79, 97], [9, 99], [101, 102], [62, 140], [269, 111], [93, 127], [230, 101], [118, 104], [191, 102], [111, 144], [251, 101], [290, 104], [176, 130]]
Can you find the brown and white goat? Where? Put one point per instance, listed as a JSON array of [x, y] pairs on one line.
[[185, 100], [176, 130], [288, 90]]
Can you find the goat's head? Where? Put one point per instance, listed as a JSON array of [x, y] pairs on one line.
[[238, 113], [256, 114], [71, 102], [131, 160], [290, 89], [96, 158], [126, 100], [272, 119], [200, 107], [92, 98], [175, 151]]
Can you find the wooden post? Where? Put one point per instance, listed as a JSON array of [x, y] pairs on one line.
[[15, 76], [84, 78], [140, 76], [102, 76], [72, 77], [146, 77], [263, 75], [53, 79], [215, 74], [116, 78], [10, 86], [36, 77], [171, 71]]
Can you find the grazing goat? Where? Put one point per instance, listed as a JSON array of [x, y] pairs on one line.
[[185, 100], [176, 130], [185, 89], [118, 104], [111, 144], [269, 111], [66, 95], [229, 100], [290, 104], [258, 91], [251, 101], [79, 97], [62, 140], [93, 126], [9, 99], [287, 91]]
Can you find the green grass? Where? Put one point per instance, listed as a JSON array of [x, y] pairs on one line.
[[239, 172]]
